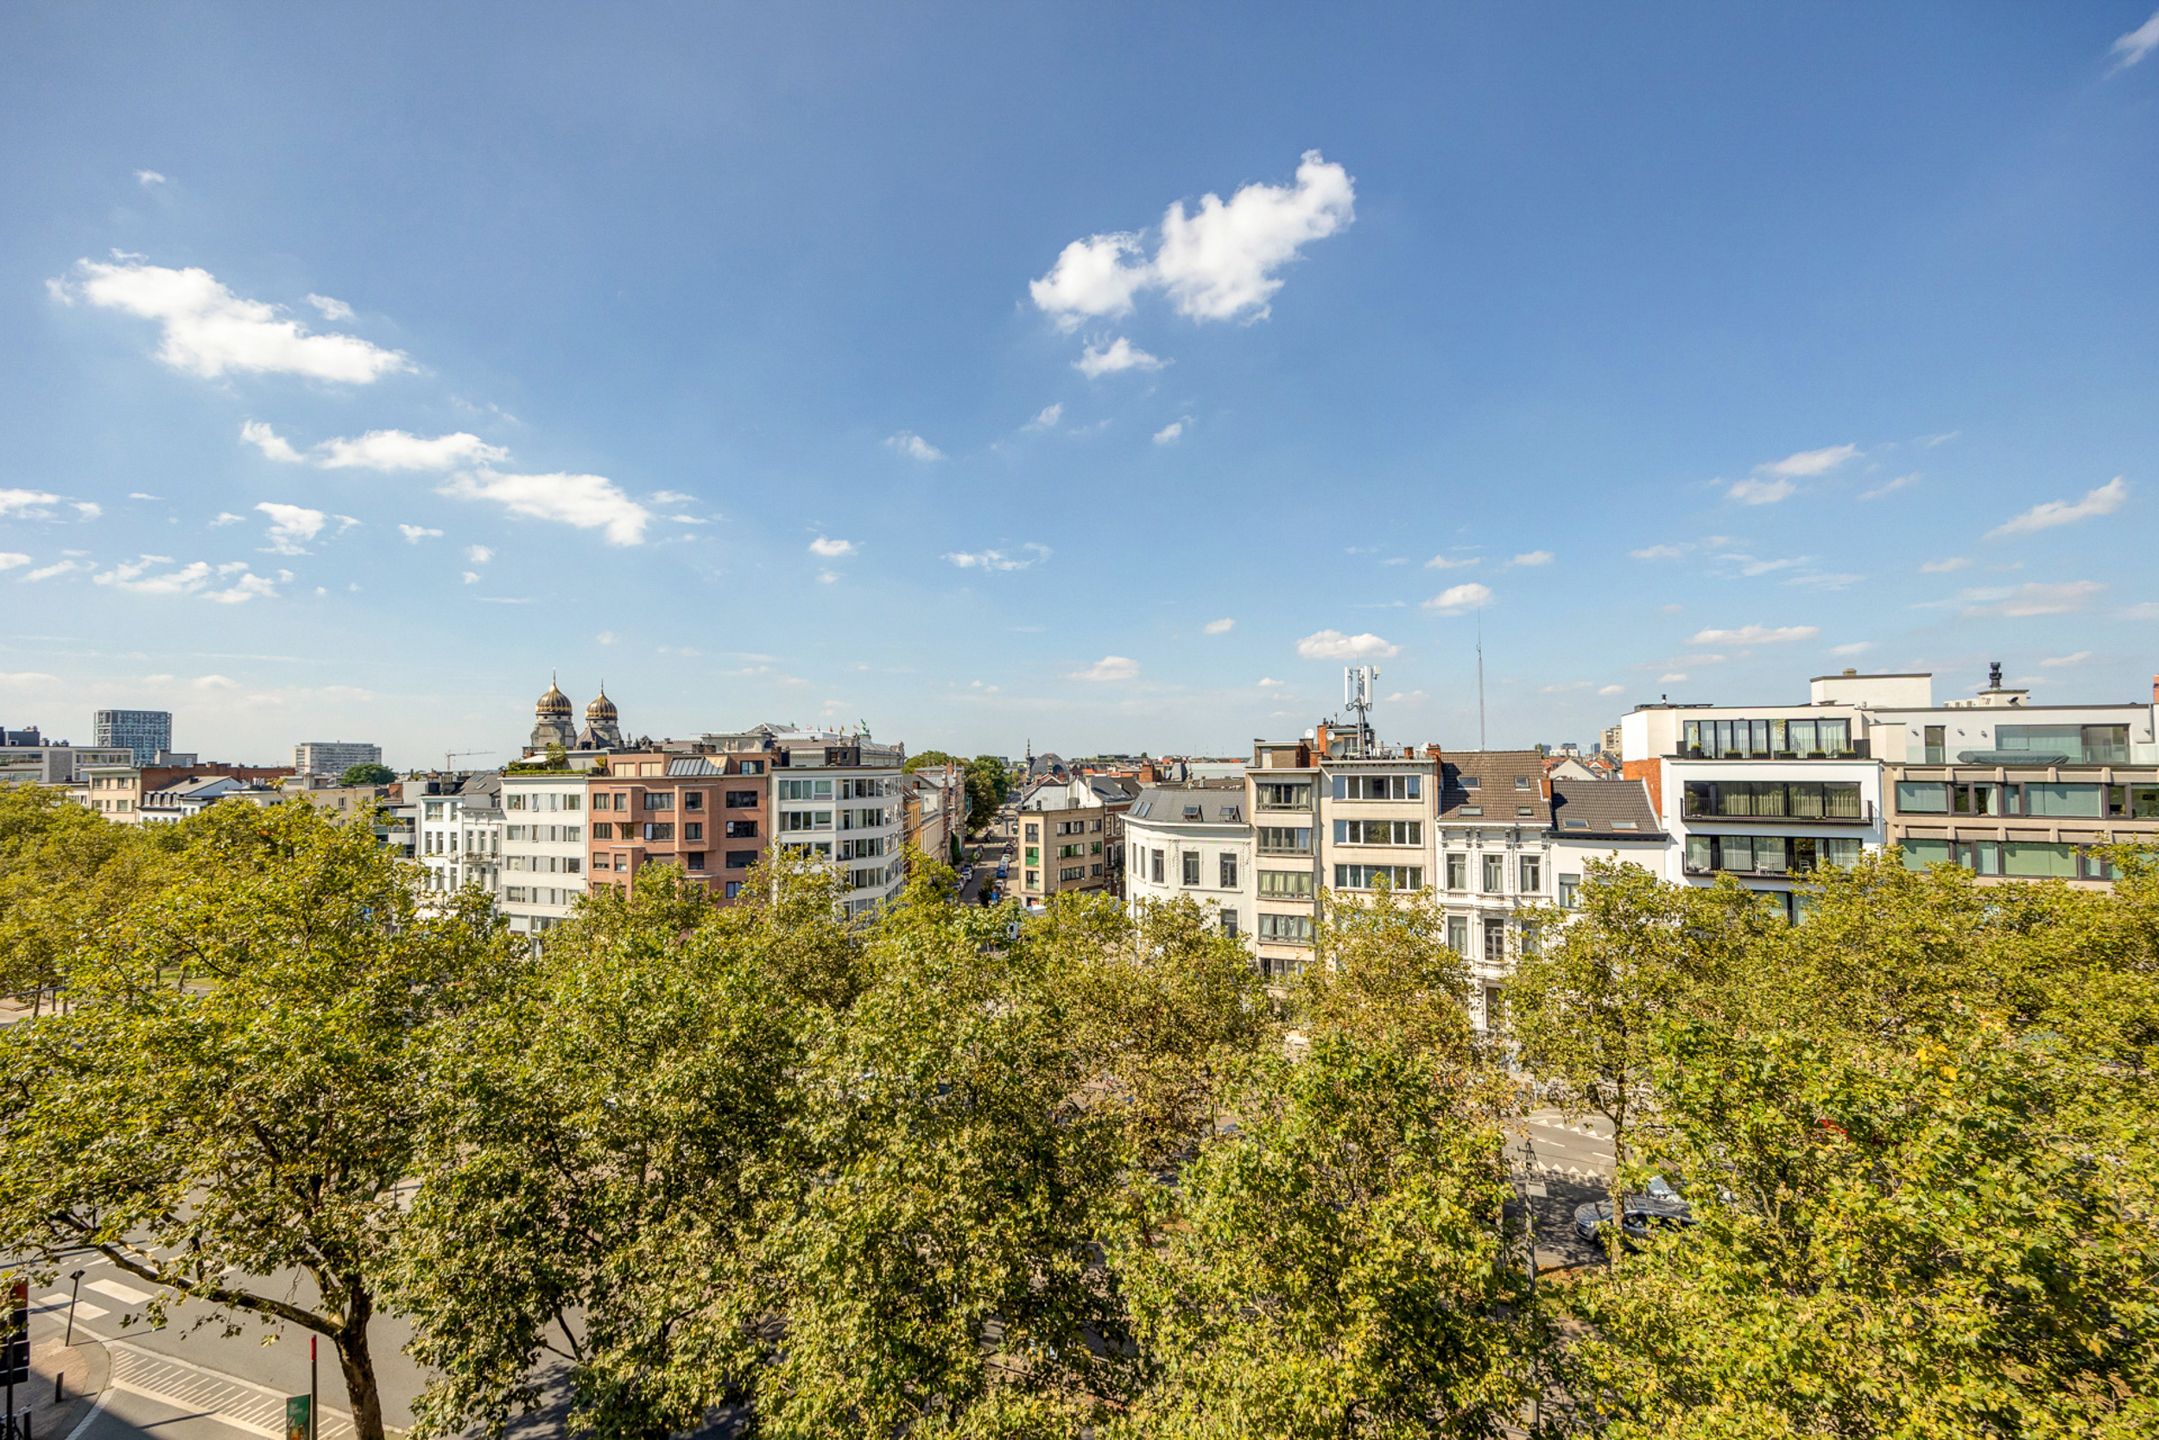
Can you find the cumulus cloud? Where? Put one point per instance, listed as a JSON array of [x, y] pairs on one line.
[[331, 307], [226, 517], [588, 502], [913, 446], [148, 178], [272, 445], [1460, 599], [232, 583], [1672, 677], [27, 504], [830, 548], [1268, 682], [1334, 645], [1532, 558], [1945, 565], [2017, 602], [291, 526], [1024, 557], [414, 534], [1219, 627], [1759, 491], [1107, 669], [396, 450], [1222, 262], [206, 330], [471, 577], [2130, 48], [1119, 354], [2104, 500], [1755, 635], [86, 509], [478, 554], [1169, 433]]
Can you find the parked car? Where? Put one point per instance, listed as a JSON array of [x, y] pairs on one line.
[[1658, 1208]]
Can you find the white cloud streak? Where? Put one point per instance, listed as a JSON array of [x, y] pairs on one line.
[[1460, 599], [2131, 48], [913, 446], [291, 526], [1119, 355], [1334, 645], [1756, 635], [588, 502], [2103, 500], [1025, 557], [1110, 669]]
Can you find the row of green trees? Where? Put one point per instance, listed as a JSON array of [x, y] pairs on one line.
[[934, 1177], [986, 778]]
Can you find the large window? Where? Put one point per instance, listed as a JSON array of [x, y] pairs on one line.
[[1285, 839], [2084, 801], [2015, 859], [1811, 739], [1286, 929], [1378, 787], [1776, 799], [1458, 935], [1191, 868], [1229, 870], [1285, 884], [1768, 854], [1379, 832], [2077, 744], [1457, 872], [1495, 874], [1495, 940], [805, 789], [1284, 794], [1532, 875], [1367, 877]]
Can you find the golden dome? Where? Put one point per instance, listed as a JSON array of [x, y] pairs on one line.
[[601, 707], [553, 703]]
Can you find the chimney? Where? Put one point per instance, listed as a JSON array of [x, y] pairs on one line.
[[2155, 689]]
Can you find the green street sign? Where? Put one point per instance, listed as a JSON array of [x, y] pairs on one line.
[[299, 1417]]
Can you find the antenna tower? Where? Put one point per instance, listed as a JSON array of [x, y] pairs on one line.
[[1480, 677]]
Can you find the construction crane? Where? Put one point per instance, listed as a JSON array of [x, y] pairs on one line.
[[449, 757]]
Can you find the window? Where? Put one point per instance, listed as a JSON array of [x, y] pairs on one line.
[[1766, 739], [1774, 799], [1495, 940], [659, 800], [1569, 887], [1937, 744], [1495, 874], [793, 821], [1034, 831], [1284, 795], [695, 860], [2059, 799], [1470, 810], [2076, 744], [741, 859], [1368, 877], [601, 830], [1286, 929], [1379, 832], [1229, 922], [1072, 872], [1532, 875], [1154, 866], [1378, 787], [1458, 935], [1285, 840], [692, 830], [1923, 797], [693, 799], [741, 829], [733, 889], [1768, 854], [1285, 884], [741, 799], [1457, 872], [1191, 868], [805, 789], [1521, 782], [1229, 870]]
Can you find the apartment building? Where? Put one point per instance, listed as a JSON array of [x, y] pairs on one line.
[[1071, 835], [116, 790], [834, 798], [458, 830], [1494, 856], [542, 870], [707, 815], [333, 757], [934, 800], [145, 734], [27, 758], [1193, 841]]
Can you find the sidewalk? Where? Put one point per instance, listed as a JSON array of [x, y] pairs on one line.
[[83, 1370]]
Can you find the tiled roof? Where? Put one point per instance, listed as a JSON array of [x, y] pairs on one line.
[[1191, 805], [1611, 809], [1506, 786]]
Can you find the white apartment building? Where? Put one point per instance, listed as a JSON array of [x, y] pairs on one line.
[[1070, 835], [1494, 858], [1193, 842], [333, 757], [542, 866], [836, 799], [457, 835]]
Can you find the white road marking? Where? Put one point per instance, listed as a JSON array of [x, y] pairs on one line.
[[242, 1404], [125, 1294], [84, 1310]]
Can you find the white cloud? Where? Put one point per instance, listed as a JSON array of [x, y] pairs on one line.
[[1025, 557], [1749, 566], [1047, 417], [87, 509], [1852, 647], [27, 504], [1334, 645], [1120, 354], [1761, 492], [273, 445], [291, 526], [672, 497], [207, 330], [1221, 263], [605, 637], [1447, 562], [1755, 635], [1532, 558], [1561, 687], [2055, 662], [1944, 566], [1109, 668], [1268, 682], [1611, 689], [1891, 487], [828, 577], [1826, 580], [55, 570], [2104, 500], [831, 549], [414, 534], [331, 307], [1218, 627], [1672, 677], [479, 554], [2032, 598], [1405, 697], [589, 502], [913, 446], [394, 450], [231, 583], [13, 559], [1659, 552], [1091, 280], [226, 517], [1169, 433], [1458, 599], [2130, 48], [471, 577], [143, 495], [148, 178]]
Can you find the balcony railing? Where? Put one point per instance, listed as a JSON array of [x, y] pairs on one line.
[[1695, 813]]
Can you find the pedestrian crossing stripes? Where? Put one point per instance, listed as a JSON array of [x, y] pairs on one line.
[[84, 1310], [125, 1294], [239, 1403]]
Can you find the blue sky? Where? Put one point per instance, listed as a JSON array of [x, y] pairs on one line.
[[893, 363]]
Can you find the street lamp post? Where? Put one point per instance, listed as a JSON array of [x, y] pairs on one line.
[[76, 1290]]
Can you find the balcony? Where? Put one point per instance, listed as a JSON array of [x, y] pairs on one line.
[[1703, 815]]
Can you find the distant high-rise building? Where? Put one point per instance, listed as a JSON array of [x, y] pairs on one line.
[[146, 732], [333, 757]]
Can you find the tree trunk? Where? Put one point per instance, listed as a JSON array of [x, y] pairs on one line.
[[358, 1364]]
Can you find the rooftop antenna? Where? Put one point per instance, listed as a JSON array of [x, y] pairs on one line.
[[1357, 695], [1480, 677]]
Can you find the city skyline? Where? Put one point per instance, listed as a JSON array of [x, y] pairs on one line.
[[740, 362]]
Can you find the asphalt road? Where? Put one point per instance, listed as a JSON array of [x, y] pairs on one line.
[[1570, 1161]]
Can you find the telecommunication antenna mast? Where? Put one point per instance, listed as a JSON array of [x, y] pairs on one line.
[[1357, 683], [1480, 677]]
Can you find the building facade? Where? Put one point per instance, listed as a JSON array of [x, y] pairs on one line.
[[542, 870], [1192, 842], [457, 831], [1070, 836], [707, 815], [333, 757], [146, 734]]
